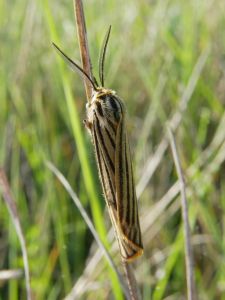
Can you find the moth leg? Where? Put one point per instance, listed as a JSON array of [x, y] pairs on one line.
[[88, 125]]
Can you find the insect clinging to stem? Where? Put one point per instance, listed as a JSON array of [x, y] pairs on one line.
[[106, 122]]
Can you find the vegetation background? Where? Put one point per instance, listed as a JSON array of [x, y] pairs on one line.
[[164, 58]]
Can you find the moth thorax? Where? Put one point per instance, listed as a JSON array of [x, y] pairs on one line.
[[106, 106]]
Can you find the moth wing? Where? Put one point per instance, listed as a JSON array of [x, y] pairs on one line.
[[115, 170], [105, 160], [127, 210]]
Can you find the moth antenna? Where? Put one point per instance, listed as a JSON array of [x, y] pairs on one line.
[[95, 81], [102, 56], [74, 66]]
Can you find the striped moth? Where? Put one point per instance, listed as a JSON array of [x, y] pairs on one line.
[[106, 122]]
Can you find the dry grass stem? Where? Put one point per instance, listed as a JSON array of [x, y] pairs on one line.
[[83, 44], [131, 280], [187, 235], [11, 205]]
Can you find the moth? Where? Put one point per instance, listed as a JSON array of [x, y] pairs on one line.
[[106, 122]]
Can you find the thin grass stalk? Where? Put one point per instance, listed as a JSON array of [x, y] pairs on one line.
[[11, 205], [83, 44], [131, 280], [191, 294]]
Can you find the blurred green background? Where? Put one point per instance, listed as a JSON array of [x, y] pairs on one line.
[[164, 58]]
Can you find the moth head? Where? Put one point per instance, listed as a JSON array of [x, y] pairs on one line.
[[102, 94]]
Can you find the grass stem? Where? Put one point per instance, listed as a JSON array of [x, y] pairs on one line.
[[187, 235], [131, 281], [11, 205], [83, 44]]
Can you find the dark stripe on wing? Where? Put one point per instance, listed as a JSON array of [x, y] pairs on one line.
[[99, 108], [134, 200], [97, 151], [127, 212], [102, 159], [112, 126], [120, 174], [110, 138], [101, 138]]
